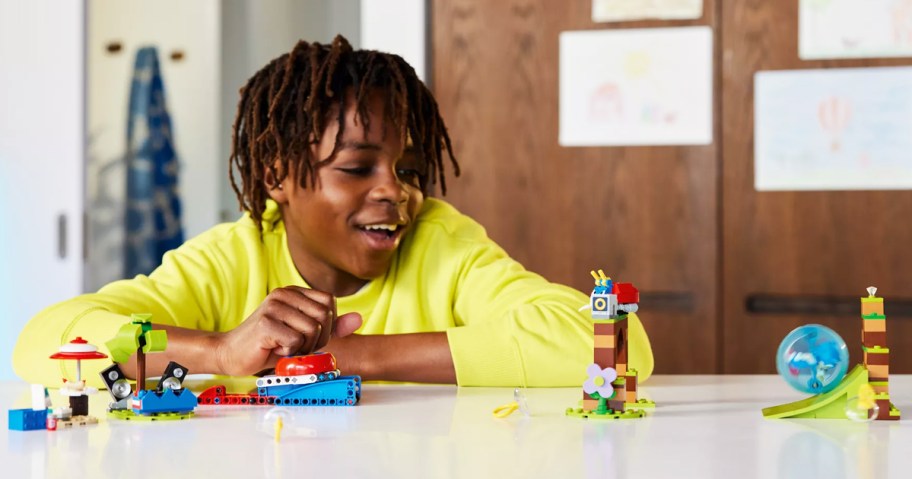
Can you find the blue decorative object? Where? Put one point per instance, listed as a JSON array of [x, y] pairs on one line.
[[27, 419], [180, 401], [153, 208], [812, 359]]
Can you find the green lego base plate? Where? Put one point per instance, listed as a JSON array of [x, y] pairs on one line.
[[829, 405], [628, 414], [128, 415], [641, 404]]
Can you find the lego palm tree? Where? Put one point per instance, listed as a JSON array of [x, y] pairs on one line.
[[139, 337], [169, 400]]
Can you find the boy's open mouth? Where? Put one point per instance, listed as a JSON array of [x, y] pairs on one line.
[[388, 230], [382, 236]]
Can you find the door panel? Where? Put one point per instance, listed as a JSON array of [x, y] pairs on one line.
[[791, 258], [646, 215]]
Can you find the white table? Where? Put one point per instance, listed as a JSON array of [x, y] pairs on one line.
[[703, 426]]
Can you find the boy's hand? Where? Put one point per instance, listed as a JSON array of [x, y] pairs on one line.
[[290, 321]]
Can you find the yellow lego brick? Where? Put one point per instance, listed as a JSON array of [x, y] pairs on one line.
[[604, 341], [609, 321], [874, 325], [875, 371], [872, 305]]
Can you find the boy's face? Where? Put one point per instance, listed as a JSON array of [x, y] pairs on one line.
[[345, 229]]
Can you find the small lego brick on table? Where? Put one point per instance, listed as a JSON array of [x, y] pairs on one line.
[[27, 419]]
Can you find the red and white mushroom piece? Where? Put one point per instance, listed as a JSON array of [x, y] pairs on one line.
[[77, 349]]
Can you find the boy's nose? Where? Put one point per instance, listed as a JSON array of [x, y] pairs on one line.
[[389, 188]]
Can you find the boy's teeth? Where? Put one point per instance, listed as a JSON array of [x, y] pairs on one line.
[[381, 227]]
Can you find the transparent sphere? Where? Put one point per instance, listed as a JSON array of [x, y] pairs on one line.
[[861, 410], [812, 359]]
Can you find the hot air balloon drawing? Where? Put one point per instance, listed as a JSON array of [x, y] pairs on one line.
[[902, 23], [834, 114]]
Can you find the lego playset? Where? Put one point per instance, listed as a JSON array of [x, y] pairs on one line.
[[42, 416], [610, 390], [864, 387], [312, 380], [169, 400]]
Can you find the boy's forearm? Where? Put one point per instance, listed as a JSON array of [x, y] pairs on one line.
[[192, 349], [416, 357]]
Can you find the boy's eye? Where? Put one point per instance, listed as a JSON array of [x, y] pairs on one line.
[[407, 173], [356, 171]]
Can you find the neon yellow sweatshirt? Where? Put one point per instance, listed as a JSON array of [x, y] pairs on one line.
[[506, 326]]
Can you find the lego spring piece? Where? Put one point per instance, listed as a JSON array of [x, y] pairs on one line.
[[169, 400], [311, 380], [863, 394], [610, 389], [76, 391]]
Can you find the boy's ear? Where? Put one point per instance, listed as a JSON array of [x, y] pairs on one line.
[[274, 188]]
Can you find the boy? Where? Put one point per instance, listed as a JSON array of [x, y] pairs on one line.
[[336, 151]]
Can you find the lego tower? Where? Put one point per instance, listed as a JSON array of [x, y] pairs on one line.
[[610, 304], [609, 348], [876, 353]]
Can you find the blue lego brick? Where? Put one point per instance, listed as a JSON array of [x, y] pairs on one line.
[[344, 391], [27, 419], [169, 401]]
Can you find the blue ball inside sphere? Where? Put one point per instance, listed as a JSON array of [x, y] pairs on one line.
[[812, 359]]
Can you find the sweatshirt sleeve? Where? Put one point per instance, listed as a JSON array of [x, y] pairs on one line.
[[187, 290], [516, 328]]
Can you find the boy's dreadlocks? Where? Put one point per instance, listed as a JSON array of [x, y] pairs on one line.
[[285, 107]]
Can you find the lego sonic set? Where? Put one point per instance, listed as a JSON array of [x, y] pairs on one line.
[[42, 415], [610, 390], [312, 380], [813, 359], [169, 400]]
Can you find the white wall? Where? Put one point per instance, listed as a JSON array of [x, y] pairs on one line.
[[397, 26], [192, 97], [254, 33], [41, 160]]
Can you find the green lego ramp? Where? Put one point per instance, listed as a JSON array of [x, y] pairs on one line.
[[830, 405]]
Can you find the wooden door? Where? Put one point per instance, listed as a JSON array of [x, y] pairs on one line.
[[791, 258], [647, 215]]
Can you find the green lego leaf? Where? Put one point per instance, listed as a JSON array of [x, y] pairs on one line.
[[125, 342], [156, 341]]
